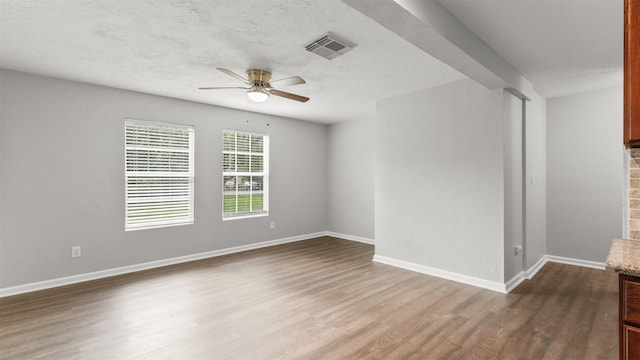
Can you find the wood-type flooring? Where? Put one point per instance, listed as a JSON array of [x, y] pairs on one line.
[[315, 299]]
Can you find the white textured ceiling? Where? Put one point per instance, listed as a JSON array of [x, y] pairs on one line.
[[563, 47], [172, 47]]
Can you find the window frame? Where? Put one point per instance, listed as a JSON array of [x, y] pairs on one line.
[[264, 174], [173, 182]]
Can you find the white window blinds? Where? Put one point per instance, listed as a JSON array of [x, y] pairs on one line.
[[159, 174], [245, 174]]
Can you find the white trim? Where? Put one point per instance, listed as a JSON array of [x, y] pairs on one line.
[[465, 279], [235, 215], [576, 262], [245, 216], [525, 274], [532, 271], [515, 281], [351, 237], [47, 284], [486, 284]]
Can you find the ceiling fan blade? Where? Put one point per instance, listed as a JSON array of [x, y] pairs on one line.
[[287, 95], [222, 87], [294, 80], [232, 74]]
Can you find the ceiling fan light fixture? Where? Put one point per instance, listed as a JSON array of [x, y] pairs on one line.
[[257, 94]]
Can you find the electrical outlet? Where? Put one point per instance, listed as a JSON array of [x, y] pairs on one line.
[[272, 225], [76, 251], [518, 249]]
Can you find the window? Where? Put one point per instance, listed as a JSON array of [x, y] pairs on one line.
[[245, 174], [159, 174]]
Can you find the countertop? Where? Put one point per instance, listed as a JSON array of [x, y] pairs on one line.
[[624, 257]]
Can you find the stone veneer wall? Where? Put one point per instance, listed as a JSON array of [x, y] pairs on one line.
[[634, 194]]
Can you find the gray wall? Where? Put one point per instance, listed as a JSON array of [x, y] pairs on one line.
[[439, 179], [351, 178], [513, 186], [62, 179], [584, 174], [536, 191]]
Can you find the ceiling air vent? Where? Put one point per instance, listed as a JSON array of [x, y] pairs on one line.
[[330, 46]]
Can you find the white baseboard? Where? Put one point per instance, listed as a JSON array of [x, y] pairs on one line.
[[47, 284], [577, 262], [533, 270], [515, 281], [351, 237], [465, 279], [506, 288]]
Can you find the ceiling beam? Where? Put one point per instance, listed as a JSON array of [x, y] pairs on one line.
[[431, 28]]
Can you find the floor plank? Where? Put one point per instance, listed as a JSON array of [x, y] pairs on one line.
[[314, 299]]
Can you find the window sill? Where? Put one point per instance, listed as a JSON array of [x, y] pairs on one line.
[[248, 216], [156, 226]]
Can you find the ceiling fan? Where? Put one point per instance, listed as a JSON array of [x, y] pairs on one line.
[[259, 85]]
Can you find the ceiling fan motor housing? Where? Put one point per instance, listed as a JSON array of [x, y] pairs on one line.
[[259, 78]]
